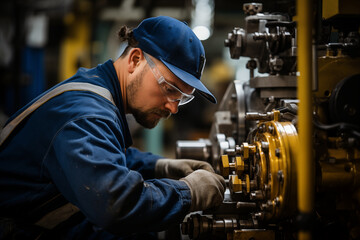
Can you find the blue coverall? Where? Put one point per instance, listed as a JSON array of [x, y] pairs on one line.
[[77, 146]]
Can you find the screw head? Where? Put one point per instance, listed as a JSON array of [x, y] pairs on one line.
[[280, 176], [277, 152]]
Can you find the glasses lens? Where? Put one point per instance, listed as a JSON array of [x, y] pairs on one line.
[[186, 100], [170, 91], [173, 94]]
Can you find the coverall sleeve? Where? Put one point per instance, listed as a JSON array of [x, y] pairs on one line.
[[142, 162], [87, 163]]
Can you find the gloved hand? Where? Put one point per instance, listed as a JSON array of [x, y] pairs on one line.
[[179, 168], [207, 189]]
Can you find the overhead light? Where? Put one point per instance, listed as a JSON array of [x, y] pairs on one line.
[[202, 18], [202, 32]]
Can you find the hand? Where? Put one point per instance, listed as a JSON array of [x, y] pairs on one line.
[[207, 189], [179, 168]]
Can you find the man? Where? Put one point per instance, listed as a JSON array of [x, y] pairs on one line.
[[67, 169]]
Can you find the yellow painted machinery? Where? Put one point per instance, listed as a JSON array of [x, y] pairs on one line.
[[254, 140]]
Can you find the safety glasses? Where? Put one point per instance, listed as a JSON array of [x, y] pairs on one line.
[[172, 93]]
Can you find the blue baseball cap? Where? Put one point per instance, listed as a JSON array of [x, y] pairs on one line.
[[174, 44]]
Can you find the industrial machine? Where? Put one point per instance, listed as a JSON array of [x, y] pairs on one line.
[[254, 141]]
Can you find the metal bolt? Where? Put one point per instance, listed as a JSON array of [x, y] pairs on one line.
[[277, 152], [230, 151], [257, 195], [262, 128], [277, 202], [252, 196], [264, 206], [264, 145], [280, 176], [268, 206], [259, 215], [238, 149], [271, 129]]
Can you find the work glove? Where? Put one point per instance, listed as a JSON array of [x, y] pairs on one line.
[[179, 168], [207, 189]]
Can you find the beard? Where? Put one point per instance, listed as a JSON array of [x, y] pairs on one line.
[[146, 118], [150, 118]]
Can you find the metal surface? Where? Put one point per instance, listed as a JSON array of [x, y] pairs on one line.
[[280, 185], [200, 149], [241, 42], [306, 171], [272, 154]]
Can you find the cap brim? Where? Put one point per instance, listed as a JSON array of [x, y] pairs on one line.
[[191, 80]]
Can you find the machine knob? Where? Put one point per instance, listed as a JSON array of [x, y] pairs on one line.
[[239, 166], [226, 166], [235, 183]]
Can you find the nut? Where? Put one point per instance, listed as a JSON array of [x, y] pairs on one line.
[[225, 166], [235, 183], [239, 166]]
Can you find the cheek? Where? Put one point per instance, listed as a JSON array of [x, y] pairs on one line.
[[148, 95]]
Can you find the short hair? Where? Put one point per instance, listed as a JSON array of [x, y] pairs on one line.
[[126, 34]]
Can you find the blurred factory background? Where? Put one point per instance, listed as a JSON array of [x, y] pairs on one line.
[[43, 42]]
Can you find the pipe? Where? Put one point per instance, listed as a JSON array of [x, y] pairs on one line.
[[305, 165]]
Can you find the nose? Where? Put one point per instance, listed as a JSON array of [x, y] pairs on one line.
[[172, 106]]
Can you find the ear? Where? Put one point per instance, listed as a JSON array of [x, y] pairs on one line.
[[134, 59]]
